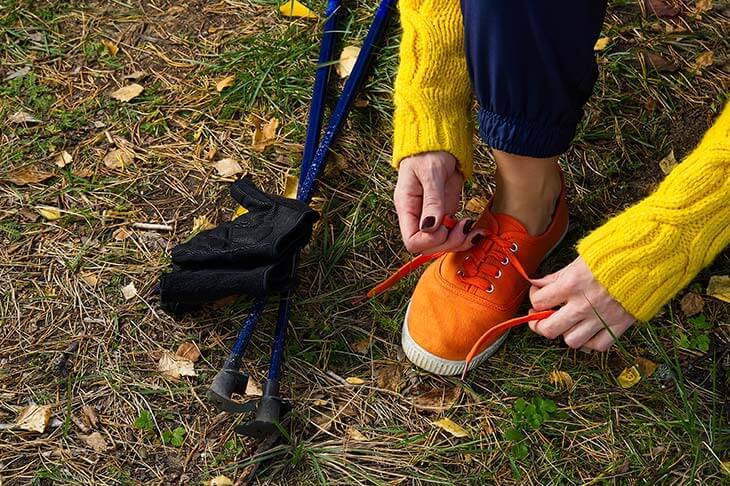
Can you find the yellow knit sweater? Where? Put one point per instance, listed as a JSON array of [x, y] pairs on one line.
[[643, 256]]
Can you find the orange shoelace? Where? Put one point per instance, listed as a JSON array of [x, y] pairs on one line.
[[479, 269]]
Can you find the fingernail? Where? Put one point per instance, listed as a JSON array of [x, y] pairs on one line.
[[468, 226], [477, 239], [428, 222]]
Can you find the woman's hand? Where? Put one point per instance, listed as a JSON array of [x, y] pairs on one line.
[[582, 300], [429, 188]]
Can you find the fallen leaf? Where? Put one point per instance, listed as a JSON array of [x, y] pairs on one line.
[[476, 205], [451, 427], [438, 400], [90, 415], [704, 60], [361, 346], [201, 223], [725, 467], [253, 388], [646, 367], [136, 76], [265, 135], [228, 167], [659, 63], [661, 8], [348, 57], [29, 215], [129, 291], [111, 47], [561, 379], [629, 377], [353, 380], [84, 172], [188, 350], [49, 213], [601, 43], [121, 234], [291, 185], [96, 441], [240, 211], [703, 6], [17, 74], [668, 163], [389, 377], [174, 366], [63, 159], [225, 83], [90, 279], [28, 175], [22, 117], [127, 93], [360, 103], [118, 158], [355, 434], [294, 8], [719, 287], [692, 304], [220, 481], [320, 402], [34, 418]]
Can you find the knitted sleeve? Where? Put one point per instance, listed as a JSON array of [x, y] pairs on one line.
[[648, 253], [432, 89]]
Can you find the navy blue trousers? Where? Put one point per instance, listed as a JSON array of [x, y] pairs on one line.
[[532, 68]]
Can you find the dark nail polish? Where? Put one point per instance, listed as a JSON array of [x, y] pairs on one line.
[[468, 226], [477, 239], [428, 222]]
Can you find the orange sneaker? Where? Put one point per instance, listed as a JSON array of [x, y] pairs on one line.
[[464, 303]]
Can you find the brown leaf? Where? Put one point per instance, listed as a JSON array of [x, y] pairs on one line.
[[34, 418], [704, 60], [225, 83], [451, 427], [692, 304], [264, 135], [659, 63], [253, 388], [96, 441], [188, 350], [228, 167], [118, 158], [438, 399], [348, 57], [389, 377], [220, 481], [90, 279], [703, 6], [129, 291], [22, 117], [476, 205], [63, 159], [719, 287], [136, 76], [561, 379], [668, 163], [121, 233], [174, 366], [111, 47], [201, 223], [90, 415], [17, 74], [361, 346], [661, 8], [28, 175], [127, 93], [646, 367], [355, 435]]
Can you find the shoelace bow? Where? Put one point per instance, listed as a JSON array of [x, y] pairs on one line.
[[479, 268]]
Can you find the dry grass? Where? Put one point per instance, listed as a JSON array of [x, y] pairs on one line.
[[70, 342]]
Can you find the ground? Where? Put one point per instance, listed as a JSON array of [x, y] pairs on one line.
[[71, 241]]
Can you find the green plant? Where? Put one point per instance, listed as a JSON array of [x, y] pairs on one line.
[[144, 421], [698, 337], [175, 438], [527, 416]]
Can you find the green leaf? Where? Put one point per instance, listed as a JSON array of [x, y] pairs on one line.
[[144, 421], [701, 343], [520, 405], [548, 406], [700, 323], [513, 434], [520, 451], [683, 341]]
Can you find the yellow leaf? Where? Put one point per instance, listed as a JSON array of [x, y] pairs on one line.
[[451, 427], [174, 366], [129, 291], [355, 434], [703, 6], [111, 47], [601, 43], [560, 379], [63, 159], [127, 93], [28, 175], [201, 223], [34, 418], [96, 441], [118, 158], [476, 205], [293, 8], [220, 481], [265, 135], [188, 350], [347, 61], [668, 163], [228, 167], [353, 380], [240, 211], [725, 467], [291, 184], [225, 83], [704, 60], [49, 213], [646, 367], [719, 287], [629, 377]]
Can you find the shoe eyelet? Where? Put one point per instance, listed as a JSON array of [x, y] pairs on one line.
[[514, 247], [490, 289], [505, 261], [460, 273], [498, 274]]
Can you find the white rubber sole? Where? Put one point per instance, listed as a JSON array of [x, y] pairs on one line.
[[440, 366]]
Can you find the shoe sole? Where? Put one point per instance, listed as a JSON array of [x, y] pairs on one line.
[[440, 366]]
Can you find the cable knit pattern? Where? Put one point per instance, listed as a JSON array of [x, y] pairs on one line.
[[432, 89], [648, 253]]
